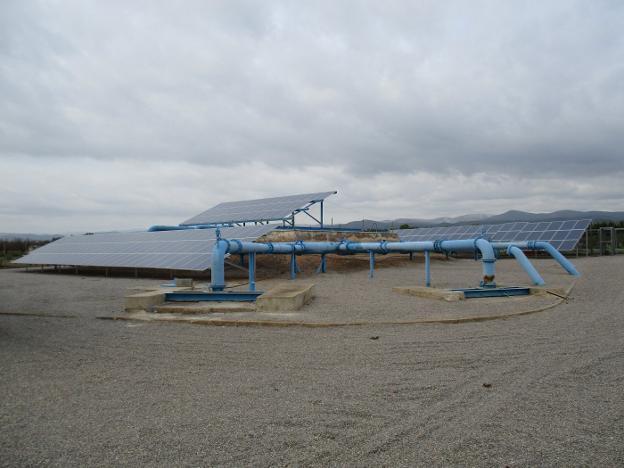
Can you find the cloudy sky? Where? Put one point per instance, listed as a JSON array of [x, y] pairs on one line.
[[123, 114]]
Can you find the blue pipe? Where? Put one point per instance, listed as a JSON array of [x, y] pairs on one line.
[[427, 268], [217, 273], [383, 247], [554, 253], [545, 246], [518, 254], [252, 271], [293, 266]]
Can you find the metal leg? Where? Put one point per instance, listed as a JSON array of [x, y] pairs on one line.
[[252, 271], [323, 264], [427, 269], [371, 256], [293, 266], [411, 256]]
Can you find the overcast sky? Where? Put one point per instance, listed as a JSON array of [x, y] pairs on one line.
[[123, 114]]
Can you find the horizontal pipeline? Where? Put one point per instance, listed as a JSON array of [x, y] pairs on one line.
[[235, 246]]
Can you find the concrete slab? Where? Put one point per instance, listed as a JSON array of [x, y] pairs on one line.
[[286, 296], [430, 293], [144, 300], [183, 282], [204, 307]]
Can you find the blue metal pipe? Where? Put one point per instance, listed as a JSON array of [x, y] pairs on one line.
[[293, 266], [252, 271], [518, 254], [217, 272], [554, 253], [427, 268], [383, 247], [545, 246]]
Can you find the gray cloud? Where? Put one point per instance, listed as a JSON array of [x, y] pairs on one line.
[[441, 88]]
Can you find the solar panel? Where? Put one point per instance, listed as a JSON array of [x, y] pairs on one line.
[[263, 209], [563, 235], [171, 250]]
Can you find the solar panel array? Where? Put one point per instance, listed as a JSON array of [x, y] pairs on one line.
[[264, 209], [563, 235], [171, 250]]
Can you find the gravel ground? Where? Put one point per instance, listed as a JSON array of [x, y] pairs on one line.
[[80, 391]]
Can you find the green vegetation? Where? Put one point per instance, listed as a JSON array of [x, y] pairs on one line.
[[12, 249]]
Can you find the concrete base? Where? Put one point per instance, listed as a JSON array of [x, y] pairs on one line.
[[144, 300], [287, 296], [183, 282], [205, 307], [430, 293]]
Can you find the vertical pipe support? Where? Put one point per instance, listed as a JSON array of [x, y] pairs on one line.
[[427, 268], [371, 264], [323, 264], [252, 271], [217, 272], [488, 259], [293, 266]]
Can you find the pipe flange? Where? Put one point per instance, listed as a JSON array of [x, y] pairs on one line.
[[437, 246], [237, 242], [299, 244], [383, 247]]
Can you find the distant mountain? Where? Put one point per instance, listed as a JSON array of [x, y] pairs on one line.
[[595, 216], [509, 216], [26, 236]]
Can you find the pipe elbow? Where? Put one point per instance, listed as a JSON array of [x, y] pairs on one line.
[[487, 251], [217, 271], [488, 257]]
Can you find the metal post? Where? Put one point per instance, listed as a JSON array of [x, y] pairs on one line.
[[321, 213], [587, 243], [252, 271], [242, 260], [427, 269], [600, 241], [371, 271], [293, 266], [323, 264], [411, 254]]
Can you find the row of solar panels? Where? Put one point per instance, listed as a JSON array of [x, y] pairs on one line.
[[563, 235], [263, 209], [192, 249], [171, 250]]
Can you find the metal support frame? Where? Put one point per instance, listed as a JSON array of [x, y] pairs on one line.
[[428, 269], [371, 264], [252, 271], [293, 266]]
